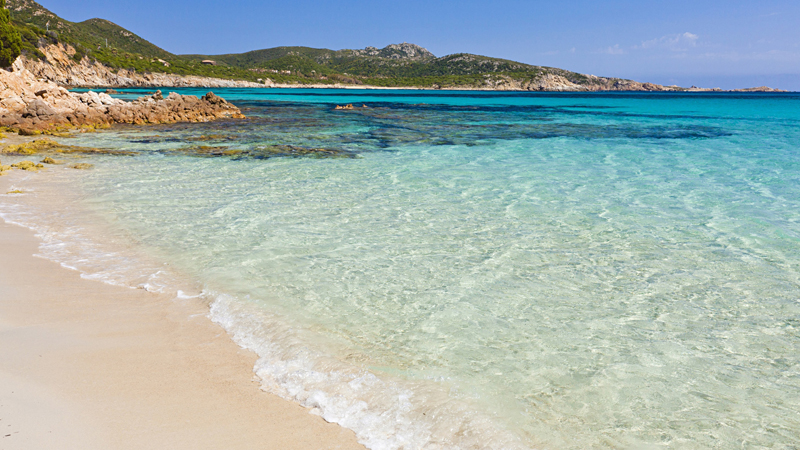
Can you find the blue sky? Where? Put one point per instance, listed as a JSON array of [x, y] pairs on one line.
[[706, 43]]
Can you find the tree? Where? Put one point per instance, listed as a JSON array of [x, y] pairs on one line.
[[10, 40]]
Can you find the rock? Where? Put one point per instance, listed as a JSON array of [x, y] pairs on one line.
[[759, 89], [49, 160], [31, 107], [28, 165], [214, 99], [29, 148], [59, 67], [81, 166], [29, 132], [39, 109]]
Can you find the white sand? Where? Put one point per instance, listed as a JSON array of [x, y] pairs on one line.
[[85, 365]]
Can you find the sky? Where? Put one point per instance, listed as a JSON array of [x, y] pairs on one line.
[[726, 44]]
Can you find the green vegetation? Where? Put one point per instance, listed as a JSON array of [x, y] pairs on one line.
[[401, 65], [86, 37], [10, 39]]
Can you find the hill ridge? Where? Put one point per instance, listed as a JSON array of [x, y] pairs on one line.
[[98, 40]]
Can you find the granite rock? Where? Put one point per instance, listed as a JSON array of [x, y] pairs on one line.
[[30, 104]]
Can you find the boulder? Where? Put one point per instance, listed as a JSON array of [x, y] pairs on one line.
[[39, 109], [214, 99]]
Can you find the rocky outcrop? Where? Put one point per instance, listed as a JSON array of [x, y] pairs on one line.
[[30, 104], [173, 108], [59, 67], [557, 83], [551, 82], [404, 51], [547, 82], [759, 89]]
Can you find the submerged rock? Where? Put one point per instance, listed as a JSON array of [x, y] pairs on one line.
[[49, 160], [211, 137], [51, 146], [29, 148], [210, 151], [28, 165], [81, 166], [297, 151], [262, 152]]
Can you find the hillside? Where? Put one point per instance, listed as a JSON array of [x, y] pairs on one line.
[[399, 65], [98, 40], [88, 37]]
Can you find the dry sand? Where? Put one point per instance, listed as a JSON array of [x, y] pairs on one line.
[[85, 365]]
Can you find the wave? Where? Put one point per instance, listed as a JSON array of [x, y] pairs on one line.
[[385, 412]]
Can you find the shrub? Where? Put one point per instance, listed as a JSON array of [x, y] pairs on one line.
[[10, 40]]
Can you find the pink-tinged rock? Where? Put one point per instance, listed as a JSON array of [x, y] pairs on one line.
[[30, 104]]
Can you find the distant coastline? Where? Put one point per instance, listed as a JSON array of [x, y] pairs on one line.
[[59, 67], [99, 53]]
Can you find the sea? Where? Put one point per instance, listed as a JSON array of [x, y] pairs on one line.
[[470, 270]]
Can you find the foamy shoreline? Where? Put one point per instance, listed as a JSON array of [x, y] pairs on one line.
[[88, 365], [287, 360]]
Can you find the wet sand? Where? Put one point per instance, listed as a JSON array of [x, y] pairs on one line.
[[86, 365]]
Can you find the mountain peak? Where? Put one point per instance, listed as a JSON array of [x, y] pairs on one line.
[[29, 10], [397, 51]]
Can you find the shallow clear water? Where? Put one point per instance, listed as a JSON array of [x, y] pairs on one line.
[[484, 270]]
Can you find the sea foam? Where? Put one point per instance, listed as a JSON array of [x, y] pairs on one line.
[[385, 413]]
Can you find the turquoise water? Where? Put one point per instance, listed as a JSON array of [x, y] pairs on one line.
[[484, 270]]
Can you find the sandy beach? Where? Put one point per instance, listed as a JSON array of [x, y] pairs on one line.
[[86, 365]]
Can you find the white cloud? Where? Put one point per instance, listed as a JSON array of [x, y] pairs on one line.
[[672, 42], [780, 56], [615, 50]]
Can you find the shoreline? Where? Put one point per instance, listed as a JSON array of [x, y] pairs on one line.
[[459, 88], [90, 365], [289, 365], [74, 75]]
